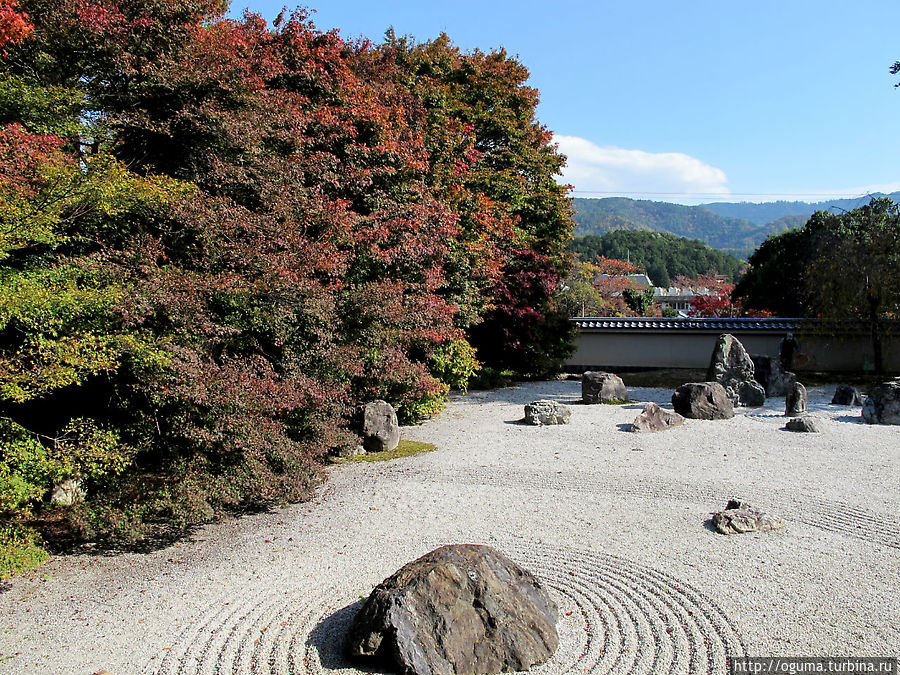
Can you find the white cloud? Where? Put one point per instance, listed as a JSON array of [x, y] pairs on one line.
[[669, 176]]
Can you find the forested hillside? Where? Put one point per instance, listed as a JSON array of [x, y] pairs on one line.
[[664, 256], [767, 212], [219, 237]]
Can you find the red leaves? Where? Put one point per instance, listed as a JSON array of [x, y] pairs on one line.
[[14, 25]]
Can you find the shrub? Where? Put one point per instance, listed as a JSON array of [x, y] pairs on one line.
[[20, 550]]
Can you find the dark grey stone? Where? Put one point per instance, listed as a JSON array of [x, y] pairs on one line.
[[459, 609], [381, 432], [653, 418], [600, 387], [883, 404], [739, 517], [545, 412], [732, 367], [702, 401], [846, 395], [806, 424], [769, 373], [795, 403], [751, 394]]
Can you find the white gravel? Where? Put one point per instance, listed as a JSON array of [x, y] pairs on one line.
[[616, 523]]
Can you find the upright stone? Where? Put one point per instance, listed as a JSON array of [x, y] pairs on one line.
[[732, 367], [846, 395], [381, 431], [703, 401], [795, 403], [600, 387], [883, 404], [459, 609]]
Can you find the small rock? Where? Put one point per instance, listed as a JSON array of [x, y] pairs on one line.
[[545, 412], [739, 517], [381, 431], [653, 418], [846, 395], [702, 401], [458, 609], [883, 404], [348, 450], [600, 387], [795, 403], [805, 423]]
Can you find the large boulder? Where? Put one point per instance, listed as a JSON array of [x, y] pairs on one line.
[[883, 404], [703, 401], [459, 609], [846, 395], [769, 372], [381, 431], [600, 387], [795, 403], [740, 518], [653, 418], [732, 367], [546, 412]]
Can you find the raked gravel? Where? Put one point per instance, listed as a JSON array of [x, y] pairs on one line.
[[616, 524]]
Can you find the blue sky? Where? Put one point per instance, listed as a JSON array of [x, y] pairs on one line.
[[686, 101]]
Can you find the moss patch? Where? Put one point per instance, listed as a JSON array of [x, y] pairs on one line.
[[405, 449]]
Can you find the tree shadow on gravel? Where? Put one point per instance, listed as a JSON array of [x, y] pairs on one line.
[[329, 638], [4, 586]]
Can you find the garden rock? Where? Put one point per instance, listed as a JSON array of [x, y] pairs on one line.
[[703, 401], [67, 493], [545, 412], [459, 609], [769, 372], [739, 517], [883, 404], [732, 367], [600, 387], [653, 418], [795, 403], [846, 395], [381, 431], [806, 424]]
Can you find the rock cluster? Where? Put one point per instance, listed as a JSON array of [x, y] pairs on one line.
[[769, 372], [544, 412], [739, 518], [703, 401], [600, 387], [458, 609], [653, 418], [732, 367], [883, 404]]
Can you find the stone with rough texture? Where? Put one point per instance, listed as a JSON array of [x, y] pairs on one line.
[[769, 372], [67, 493], [806, 424], [846, 395], [703, 401], [795, 403], [653, 418], [739, 517], [732, 367], [381, 431], [545, 412], [459, 609], [600, 387], [883, 404]]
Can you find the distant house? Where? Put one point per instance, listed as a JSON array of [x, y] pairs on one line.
[[679, 299]]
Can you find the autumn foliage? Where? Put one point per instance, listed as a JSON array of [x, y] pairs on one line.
[[221, 236]]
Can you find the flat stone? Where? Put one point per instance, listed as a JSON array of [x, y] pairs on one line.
[[653, 418], [546, 412], [459, 609], [806, 424], [739, 517], [703, 401], [600, 387]]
